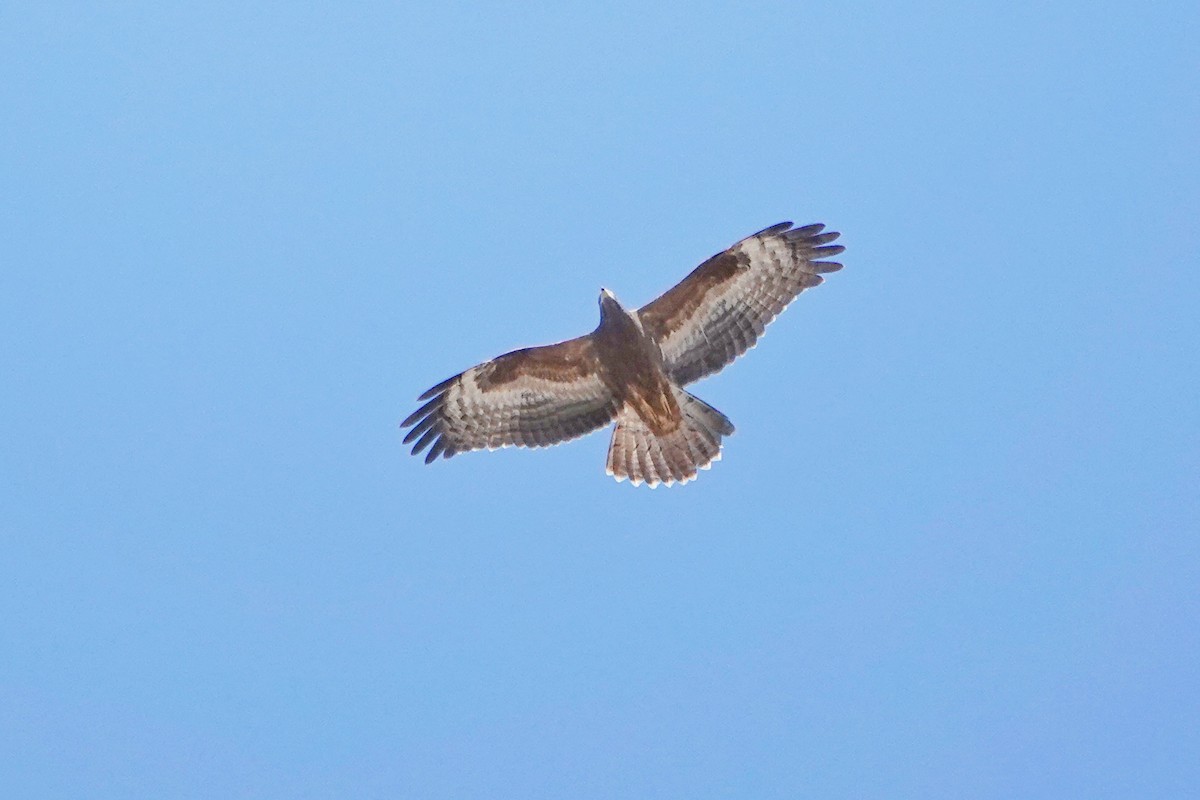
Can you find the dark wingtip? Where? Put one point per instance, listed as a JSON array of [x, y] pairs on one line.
[[421, 427], [777, 228], [425, 440], [432, 390], [806, 231], [823, 238], [436, 450], [428, 408]]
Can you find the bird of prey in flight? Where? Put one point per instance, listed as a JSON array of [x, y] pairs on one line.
[[632, 368]]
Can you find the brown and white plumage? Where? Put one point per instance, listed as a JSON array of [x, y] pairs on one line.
[[534, 397], [632, 367], [721, 309]]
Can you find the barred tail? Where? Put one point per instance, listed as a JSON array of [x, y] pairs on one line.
[[639, 455]]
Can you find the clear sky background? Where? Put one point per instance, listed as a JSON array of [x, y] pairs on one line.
[[952, 550]]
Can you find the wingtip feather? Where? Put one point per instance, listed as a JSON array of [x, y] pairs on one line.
[[425, 440], [773, 230], [432, 390], [805, 231], [422, 411], [421, 427], [436, 450]]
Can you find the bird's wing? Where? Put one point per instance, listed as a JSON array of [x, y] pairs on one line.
[[534, 397], [721, 309]]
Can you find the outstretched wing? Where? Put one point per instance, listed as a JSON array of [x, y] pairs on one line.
[[721, 309], [534, 397]]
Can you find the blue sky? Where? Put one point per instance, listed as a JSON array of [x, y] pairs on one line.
[[951, 551]]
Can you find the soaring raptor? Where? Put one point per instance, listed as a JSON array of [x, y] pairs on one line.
[[633, 367]]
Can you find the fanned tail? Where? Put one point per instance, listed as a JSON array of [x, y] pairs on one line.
[[638, 454]]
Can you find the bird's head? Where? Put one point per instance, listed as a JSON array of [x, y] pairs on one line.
[[613, 313], [608, 302]]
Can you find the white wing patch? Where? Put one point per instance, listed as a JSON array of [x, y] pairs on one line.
[[526, 412]]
